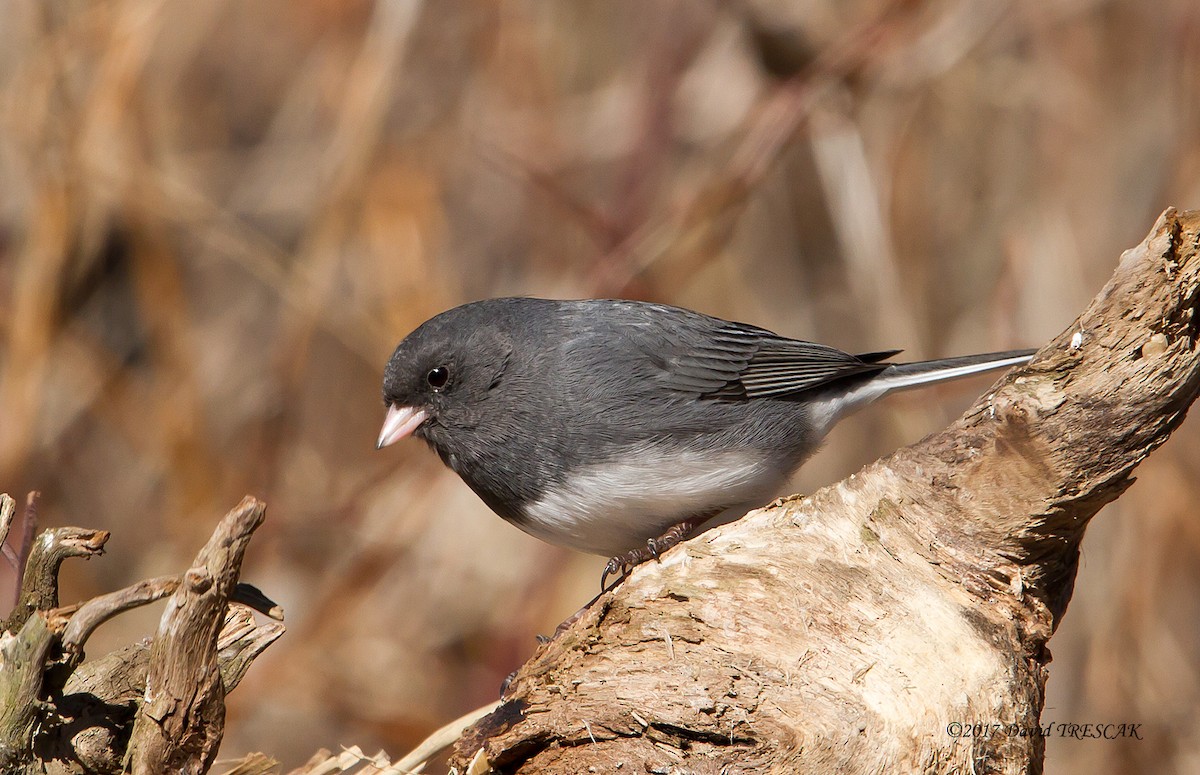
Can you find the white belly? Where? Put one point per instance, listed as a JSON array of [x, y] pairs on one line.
[[609, 508]]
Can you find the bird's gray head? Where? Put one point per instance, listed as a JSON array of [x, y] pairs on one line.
[[442, 373]]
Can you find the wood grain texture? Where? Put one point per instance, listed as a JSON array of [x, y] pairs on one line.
[[181, 720]]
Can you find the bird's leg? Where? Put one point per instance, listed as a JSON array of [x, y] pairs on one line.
[[622, 564]]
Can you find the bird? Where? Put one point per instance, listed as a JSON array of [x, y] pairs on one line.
[[619, 427]]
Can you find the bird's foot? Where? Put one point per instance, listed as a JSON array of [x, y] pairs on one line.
[[622, 564]]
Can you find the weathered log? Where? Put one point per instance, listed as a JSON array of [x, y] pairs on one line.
[[896, 621]]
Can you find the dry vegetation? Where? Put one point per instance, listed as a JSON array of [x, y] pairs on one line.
[[216, 220]]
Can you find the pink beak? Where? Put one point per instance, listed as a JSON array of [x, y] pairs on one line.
[[401, 421]]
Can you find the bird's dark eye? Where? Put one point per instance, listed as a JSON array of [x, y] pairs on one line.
[[437, 377]]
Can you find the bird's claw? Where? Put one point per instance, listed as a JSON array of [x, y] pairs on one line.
[[622, 564], [619, 566]]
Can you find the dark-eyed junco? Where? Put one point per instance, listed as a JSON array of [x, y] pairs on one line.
[[615, 427]]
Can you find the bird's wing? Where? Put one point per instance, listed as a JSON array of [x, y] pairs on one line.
[[772, 366], [718, 359]]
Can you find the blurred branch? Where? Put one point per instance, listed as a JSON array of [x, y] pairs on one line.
[[355, 141], [856, 208], [694, 232], [813, 635]]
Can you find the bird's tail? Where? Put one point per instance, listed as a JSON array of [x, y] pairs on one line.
[[900, 376], [836, 403]]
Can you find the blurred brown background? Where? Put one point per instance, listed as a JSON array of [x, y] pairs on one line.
[[218, 218]]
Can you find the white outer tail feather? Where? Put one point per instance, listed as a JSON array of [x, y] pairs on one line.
[[829, 407]]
